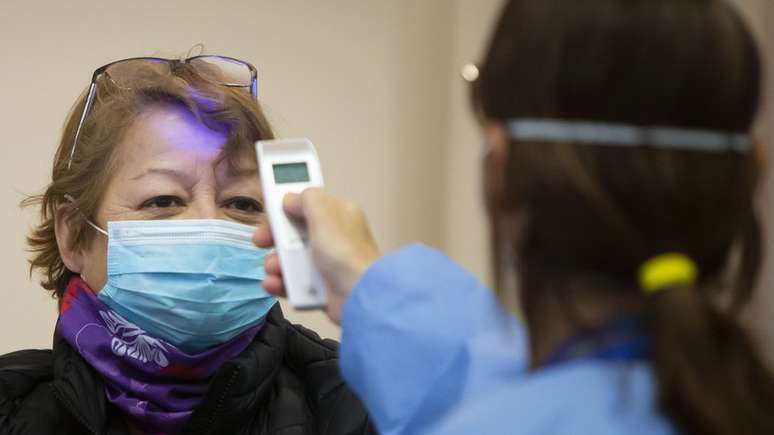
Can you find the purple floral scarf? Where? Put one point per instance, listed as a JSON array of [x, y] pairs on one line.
[[153, 383]]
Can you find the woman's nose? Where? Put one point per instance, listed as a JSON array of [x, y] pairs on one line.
[[203, 208]]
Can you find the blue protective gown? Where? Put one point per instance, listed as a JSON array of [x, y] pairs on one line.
[[430, 350]]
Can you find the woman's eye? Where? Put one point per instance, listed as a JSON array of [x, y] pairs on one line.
[[164, 201], [244, 204]]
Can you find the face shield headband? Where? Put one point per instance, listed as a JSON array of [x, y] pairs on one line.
[[627, 135]]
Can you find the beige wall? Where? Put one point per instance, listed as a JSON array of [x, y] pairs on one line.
[[761, 312], [465, 236], [375, 84], [465, 229], [366, 80]]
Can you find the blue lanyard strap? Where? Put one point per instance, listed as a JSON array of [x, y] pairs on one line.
[[620, 340]]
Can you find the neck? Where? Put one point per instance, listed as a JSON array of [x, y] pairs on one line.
[[555, 321]]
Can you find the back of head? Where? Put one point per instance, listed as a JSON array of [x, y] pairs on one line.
[[594, 213]]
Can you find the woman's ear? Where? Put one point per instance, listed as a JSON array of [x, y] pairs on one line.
[[496, 159], [496, 137], [64, 221], [761, 153]]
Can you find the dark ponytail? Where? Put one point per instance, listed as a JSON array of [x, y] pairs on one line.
[[712, 379], [595, 214]]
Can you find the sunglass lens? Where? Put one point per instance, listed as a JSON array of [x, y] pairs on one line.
[[223, 70], [138, 73]]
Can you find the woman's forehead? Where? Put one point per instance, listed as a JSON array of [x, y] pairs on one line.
[[174, 129], [172, 136]]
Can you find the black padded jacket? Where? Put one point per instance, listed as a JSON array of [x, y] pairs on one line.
[[286, 382]]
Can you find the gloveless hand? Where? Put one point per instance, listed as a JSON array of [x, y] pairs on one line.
[[340, 240]]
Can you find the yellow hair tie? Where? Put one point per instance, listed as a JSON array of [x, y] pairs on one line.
[[666, 270]]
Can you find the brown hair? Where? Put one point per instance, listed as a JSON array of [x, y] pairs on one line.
[[594, 214], [229, 110]]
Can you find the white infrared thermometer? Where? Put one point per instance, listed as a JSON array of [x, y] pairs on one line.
[[291, 165]]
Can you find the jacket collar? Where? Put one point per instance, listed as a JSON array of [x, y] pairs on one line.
[[78, 387], [245, 382], [235, 391]]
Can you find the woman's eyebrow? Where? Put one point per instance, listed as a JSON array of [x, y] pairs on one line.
[[242, 172], [167, 172]]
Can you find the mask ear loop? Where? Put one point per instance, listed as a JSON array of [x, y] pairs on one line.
[[69, 198]]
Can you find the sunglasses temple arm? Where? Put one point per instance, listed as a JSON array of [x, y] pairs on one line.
[[84, 113]]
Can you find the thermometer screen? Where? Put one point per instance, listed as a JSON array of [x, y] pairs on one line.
[[290, 173]]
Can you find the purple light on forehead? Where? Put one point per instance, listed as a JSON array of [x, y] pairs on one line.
[[206, 103], [190, 135]]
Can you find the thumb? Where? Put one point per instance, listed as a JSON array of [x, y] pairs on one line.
[[293, 207]]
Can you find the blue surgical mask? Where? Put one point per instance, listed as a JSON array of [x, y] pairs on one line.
[[192, 283]]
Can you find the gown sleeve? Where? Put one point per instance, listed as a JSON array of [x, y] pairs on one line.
[[421, 336]]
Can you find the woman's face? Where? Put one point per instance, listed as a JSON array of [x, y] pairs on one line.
[[168, 168]]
